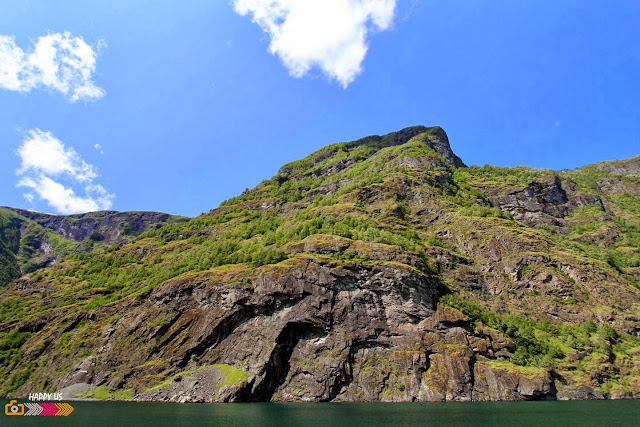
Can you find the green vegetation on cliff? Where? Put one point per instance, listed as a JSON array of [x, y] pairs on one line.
[[549, 261]]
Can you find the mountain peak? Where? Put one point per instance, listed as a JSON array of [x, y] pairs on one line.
[[434, 137]]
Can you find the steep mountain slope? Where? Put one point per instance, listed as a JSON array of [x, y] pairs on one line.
[[380, 269]]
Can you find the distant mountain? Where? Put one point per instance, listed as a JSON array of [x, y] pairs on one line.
[[32, 240], [382, 269]]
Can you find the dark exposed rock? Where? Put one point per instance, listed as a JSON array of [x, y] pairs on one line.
[[583, 392], [537, 203], [543, 203], [496, 382], [313, 331]]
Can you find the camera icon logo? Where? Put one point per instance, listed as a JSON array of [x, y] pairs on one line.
[[14, 408]]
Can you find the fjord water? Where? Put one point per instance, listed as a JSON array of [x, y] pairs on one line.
[[573, 413]]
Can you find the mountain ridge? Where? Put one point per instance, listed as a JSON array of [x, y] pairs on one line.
[[27, 242]]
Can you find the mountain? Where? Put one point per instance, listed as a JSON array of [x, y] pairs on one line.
[[382, 269], [32, 240]]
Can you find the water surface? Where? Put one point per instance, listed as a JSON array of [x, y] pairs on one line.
[[585, 413]]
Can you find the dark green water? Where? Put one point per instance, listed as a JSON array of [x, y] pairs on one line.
[[123, 414]]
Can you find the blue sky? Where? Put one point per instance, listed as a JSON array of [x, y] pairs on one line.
[[190, 103]]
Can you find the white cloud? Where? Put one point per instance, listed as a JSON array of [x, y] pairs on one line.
[[99, 148], [46, 166], [330, 34], [44, 153], [57, 61]]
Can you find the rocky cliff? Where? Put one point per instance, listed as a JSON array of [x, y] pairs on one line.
[[382, 269]]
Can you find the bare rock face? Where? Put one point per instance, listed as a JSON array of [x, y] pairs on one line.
[[496, 381], [545, 203], [313, 330], [582, 392]]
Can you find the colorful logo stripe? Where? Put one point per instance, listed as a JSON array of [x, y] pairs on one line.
[[48, 409]]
